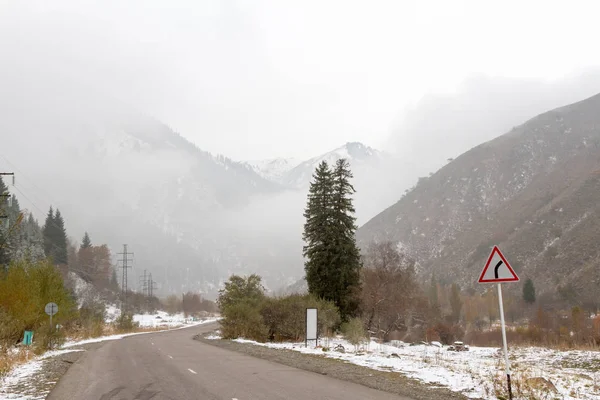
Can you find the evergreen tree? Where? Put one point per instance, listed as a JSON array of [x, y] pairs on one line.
[[11, 229], [86, 243], [29, 242], [316, 228], [529, 292], [434, 301], [455, 302], [48, 233], [4, 259], [332, 258], [60, 239], [114, 283], [347, 261]]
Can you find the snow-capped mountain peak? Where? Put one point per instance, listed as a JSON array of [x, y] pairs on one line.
[[273, 169], [296, 173], [356, 153]]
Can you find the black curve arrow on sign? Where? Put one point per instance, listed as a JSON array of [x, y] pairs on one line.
[[496, 269]]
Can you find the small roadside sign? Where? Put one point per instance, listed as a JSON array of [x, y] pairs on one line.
[[497, 269], [51, 309], [311, 326]]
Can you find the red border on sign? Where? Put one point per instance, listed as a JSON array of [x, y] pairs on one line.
[[515, 278]]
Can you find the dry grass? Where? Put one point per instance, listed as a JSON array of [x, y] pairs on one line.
[[13, 357], [526, 337]]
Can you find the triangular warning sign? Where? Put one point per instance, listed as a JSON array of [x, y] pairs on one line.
[[497, 269]]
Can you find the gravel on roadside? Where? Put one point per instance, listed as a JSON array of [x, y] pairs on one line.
[[391, 382]]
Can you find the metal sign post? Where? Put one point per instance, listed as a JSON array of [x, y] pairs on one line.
[[51, 309], [502, 272], [506, 360]]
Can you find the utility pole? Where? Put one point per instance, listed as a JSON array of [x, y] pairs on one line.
[[8, 196], [144, 283], [125, 265], [151, 287]]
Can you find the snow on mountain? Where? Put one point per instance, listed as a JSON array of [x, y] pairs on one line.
[[359, 156], [532, 191], [273, 169]]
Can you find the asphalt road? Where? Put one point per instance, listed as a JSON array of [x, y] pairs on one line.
[[171, 365]]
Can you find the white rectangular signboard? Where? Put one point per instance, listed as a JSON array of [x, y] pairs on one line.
[[311, 324]]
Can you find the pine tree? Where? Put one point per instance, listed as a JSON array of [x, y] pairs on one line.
[[60, 239], [316, 228], [434, 301], [347, 262], [29, 242], [435, 310], [48, 233], [529, 292], [114, 283], [4, 258], [86, 243], [455, 302], [332, 258]]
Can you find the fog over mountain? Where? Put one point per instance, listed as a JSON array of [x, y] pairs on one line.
[[442, 126], [128, 178], [117, 114]]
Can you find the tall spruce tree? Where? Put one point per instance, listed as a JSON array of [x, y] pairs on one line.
[[347, 261], [434, 301], [332, 258], [455, 302], [86, 243], [60, 239], [48, 233], [316, 229]]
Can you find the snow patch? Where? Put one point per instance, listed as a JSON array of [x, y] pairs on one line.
[[467, 372]]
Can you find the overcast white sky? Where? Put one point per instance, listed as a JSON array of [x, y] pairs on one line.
[[256, 79]]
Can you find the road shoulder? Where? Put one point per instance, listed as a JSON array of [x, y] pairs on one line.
[[391, 382]]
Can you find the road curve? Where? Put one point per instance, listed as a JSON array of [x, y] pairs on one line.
[[171, 365]]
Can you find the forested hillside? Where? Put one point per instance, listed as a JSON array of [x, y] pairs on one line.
[[532, 191]]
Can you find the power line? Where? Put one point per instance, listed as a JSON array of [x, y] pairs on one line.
[[151, 286], [144, 283], [31, 181], [125, 266], [7, 196], [36, 191]]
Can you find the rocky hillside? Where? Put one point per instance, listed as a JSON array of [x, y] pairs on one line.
[[533, 191]]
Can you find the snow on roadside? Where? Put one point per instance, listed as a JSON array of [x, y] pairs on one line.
[[20, 377], [574, 373], [124, 335], [112, 313], [161, 318], [154, 320]]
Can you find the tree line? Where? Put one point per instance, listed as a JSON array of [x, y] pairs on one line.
[[40, 264], [381, 289]]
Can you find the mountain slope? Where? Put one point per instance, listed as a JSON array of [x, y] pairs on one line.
[[126, 178], [360, 157], [273, 169], [533, 191]]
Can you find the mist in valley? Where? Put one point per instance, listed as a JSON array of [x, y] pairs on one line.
[[117, 118]]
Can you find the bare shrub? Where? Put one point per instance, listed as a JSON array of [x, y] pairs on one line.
[[354, 332]]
